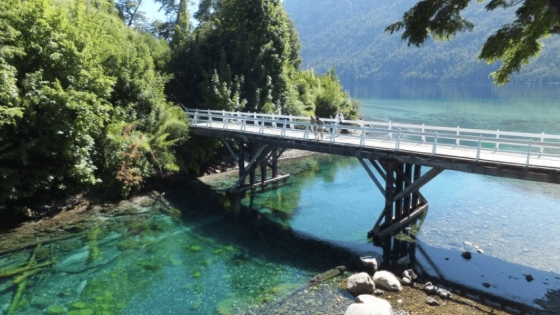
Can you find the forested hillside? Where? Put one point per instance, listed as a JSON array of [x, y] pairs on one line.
[[349, 36]]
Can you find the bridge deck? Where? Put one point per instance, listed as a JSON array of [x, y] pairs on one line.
[[513, 157]]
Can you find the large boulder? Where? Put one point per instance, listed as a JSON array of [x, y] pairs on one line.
[[379, 303], [387, 281], [360, 283], [372, 307]]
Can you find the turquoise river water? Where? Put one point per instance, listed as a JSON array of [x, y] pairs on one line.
[[223, 256]]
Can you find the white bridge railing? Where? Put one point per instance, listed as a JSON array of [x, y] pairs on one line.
[[467, 143]]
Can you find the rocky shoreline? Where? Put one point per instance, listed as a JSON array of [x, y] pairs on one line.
[[331, 296]]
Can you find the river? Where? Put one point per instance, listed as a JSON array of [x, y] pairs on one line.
[[223, 256]]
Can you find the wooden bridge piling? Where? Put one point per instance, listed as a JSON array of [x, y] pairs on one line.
[[253, 155]]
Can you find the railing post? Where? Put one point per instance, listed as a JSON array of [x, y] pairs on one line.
[[457, 141], [255, 121], [497, 137], [273, 121], [226, 121], [283, 132], [363, 136], [195, 119], [542, 140], [479, 147], [306, 133], [291, 125], [435, 143], [333, 132], [209, 122], [243, 123], [390, 133], [529, 153], [398, 143], [261, 130], [423, 136]]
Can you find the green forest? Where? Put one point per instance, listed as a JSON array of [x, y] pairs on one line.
[[350, 36], [91, 94]]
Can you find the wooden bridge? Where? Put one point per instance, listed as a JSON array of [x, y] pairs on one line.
[[392, 154]]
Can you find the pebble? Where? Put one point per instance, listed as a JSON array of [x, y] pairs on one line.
[[444, 294], [431, 301], [429, 288], [409, 273], [466, 255], [406, 281]]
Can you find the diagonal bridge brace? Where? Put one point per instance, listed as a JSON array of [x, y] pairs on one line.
[[264, 156], [403, 200]]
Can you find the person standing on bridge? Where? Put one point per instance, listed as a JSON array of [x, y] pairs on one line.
[[320, 124], [313, 123]]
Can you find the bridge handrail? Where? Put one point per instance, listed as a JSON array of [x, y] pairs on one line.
[[391, 125], [421, 133]]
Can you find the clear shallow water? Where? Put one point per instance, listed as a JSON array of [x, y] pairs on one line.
[[226, 256]]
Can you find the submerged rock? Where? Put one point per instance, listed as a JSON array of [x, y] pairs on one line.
[[74, 263], [466, 255], [403, 261]]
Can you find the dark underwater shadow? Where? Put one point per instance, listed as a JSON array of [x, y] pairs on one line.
[[214, 215]]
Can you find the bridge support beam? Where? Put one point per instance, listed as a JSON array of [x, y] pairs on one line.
[[403, 200], [252, 156]]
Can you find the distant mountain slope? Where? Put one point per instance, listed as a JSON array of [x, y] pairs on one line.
[[349, 36]]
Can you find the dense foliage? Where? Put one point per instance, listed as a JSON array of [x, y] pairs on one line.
[[350, 35], [244, 55], [84, 86], [82, 104]]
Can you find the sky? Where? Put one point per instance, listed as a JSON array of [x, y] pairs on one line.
[[151, 10]]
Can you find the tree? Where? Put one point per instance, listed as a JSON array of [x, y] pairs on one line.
[[129, 12], [244, 48], [81, 103], [513, 43], [178, 27]]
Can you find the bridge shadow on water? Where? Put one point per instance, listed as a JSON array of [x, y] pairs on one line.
[[505, 285], [492, 281]]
